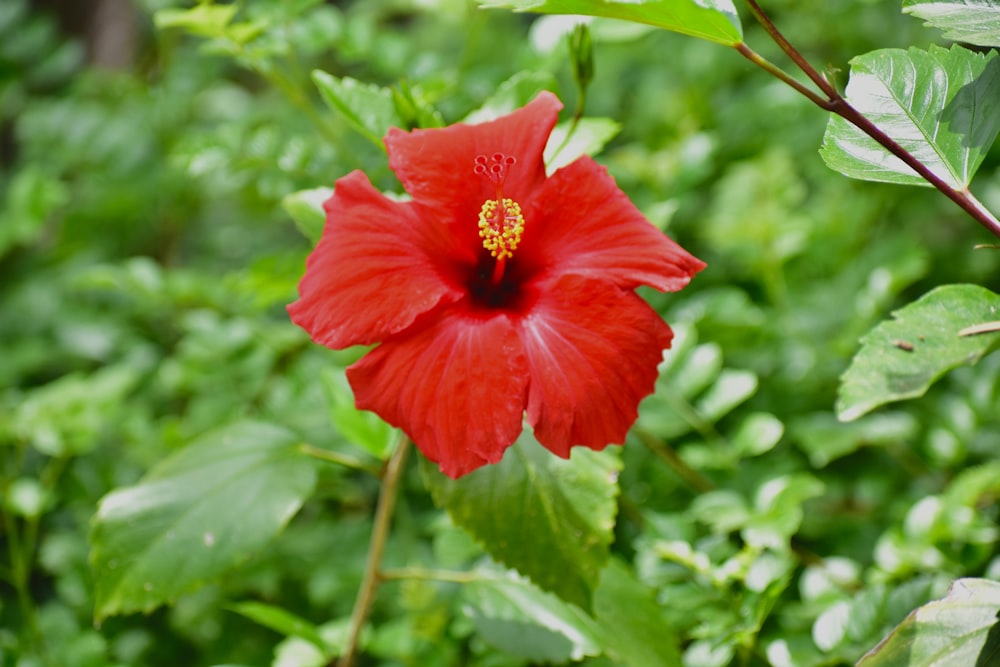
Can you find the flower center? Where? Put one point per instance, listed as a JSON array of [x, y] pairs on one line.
[[500, 221]]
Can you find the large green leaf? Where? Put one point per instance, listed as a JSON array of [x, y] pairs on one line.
[[960, 629], [902, 357], [714, 20], [196, 514], [518, 618], [972, 21], [941, 105], [549, 518]]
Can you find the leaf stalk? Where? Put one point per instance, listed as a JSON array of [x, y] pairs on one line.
[[837, 104]]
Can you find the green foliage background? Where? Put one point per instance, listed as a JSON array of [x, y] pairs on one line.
[[146, 257]]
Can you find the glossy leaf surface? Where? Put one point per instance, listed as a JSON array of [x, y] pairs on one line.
[[367, 107], [550, 519], [960, 629], [714, 20], [972, 21], [941, 105], [631, 625], [902, 357], [518, 618]]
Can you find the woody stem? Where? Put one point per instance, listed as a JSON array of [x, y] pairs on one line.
[[837, 104], [380, 533]]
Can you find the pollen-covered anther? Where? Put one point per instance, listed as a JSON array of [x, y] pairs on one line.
[[501, 226]]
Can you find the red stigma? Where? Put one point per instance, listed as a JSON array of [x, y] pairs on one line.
[[495, 167]]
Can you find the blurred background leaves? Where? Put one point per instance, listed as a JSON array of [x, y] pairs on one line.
[[147, 249]]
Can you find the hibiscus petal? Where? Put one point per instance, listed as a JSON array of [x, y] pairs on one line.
[[455, 384], [377, 267], [582, 223], [436, 165], [593, 350]]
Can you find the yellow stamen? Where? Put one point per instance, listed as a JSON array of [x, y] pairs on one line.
[[500, 227]]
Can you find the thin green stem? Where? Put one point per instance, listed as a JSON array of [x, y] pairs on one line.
[[295, 95], [692, 417], [661, 449], [577, 115], [18, 574], [339, 459], [835, 103], [380, 533], [779, 73], [19, 551]]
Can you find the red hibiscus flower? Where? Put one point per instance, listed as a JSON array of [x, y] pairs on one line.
[[496, 292]]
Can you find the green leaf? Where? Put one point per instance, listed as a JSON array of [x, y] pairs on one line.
[[294, 651], [26, 497], [730, 389], [714, 20], [588, 138], [902, 357], [68, 416], [196, 514], [549, 518], [281, 621], [206, 20], [630, 625], [941, 105], [825, 439], [31, 198], [361, 427], [971, 21], [306, 209], [777, 511], [370, 109], [414, 108], [960, 629], [512, 94], [758, 433], [521, 620]]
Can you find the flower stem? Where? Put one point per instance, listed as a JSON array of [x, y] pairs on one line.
[[380, 532], [836, 103]]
